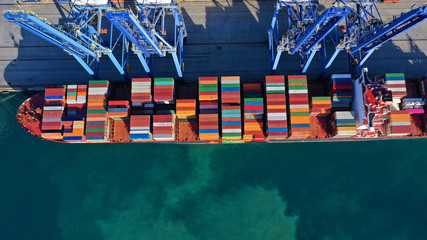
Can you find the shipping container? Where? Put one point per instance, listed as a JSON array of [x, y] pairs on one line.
[[277, 121], [299, 108]]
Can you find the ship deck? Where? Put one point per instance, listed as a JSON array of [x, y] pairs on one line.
[[225, 37]]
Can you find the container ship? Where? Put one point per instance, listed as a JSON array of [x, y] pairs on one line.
[[226, 110]]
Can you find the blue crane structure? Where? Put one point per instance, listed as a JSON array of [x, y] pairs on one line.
[[307, 30], [364, 18], [146, 30], [81, 35], [368, 32]]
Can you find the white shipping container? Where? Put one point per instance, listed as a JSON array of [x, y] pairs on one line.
[[393, 124], [141, 84], [162, 124], [282, 114], [275, 88], [345, 115], [346, 132], [51, 120], [139, 132], [139, 128], [396, 89], [97, 91], [277, 118], [237, 130], [294, 106], [298, 91], [225, 82], [53, 108], [392, 82], [163, 137]]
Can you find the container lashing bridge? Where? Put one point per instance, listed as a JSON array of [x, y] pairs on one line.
[[81, 36], [147, 32]]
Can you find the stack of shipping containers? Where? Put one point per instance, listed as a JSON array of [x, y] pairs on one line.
[[140, 128], [141, 91], [277, 123], [164, 127], [71, 94], [76, 111], [186, 127], [230, 109], [400, 120], [208, 109], [141, 94], [52, 113], [96, 117], [164, 120], [118, 109], [76, 100], [344, 124], [253, 112], [74, 130], [321, 106], [164, 90], [342, 89], [52, 117], [319, 113], [395, 82], [399, 123], [299, 106], [186, 108]]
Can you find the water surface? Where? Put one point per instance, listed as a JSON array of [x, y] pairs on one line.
[[305, 191]]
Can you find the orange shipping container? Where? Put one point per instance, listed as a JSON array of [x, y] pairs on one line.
[[300, 110], [300, 119]]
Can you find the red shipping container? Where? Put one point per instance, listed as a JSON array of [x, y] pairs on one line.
[[254, 107], [297, 76], [98, 85], [400, 129], [231, 126]]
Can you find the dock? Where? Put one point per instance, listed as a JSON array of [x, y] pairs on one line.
[[225, 37]]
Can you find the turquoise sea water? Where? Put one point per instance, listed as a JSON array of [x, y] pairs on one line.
[[305, 191]]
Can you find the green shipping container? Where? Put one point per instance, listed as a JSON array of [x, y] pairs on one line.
[[95, 130], [320, 98], [395, 75], [98, 82], [297, 80]]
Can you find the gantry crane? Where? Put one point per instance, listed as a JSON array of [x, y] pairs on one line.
[[369, 32], [363, 31], [146, 30], [81, 36], [306, 33]]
